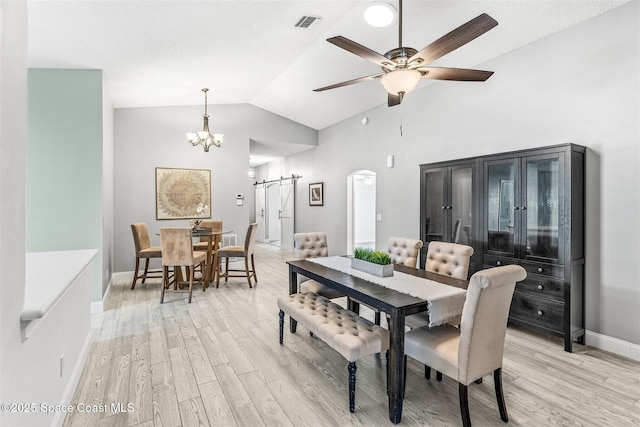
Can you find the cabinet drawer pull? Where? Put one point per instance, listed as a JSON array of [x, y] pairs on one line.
[[498, 263], [540, 269], [540, 287], [540, 313]]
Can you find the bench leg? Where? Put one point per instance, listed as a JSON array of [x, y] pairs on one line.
[[352, 386], [281, 324]]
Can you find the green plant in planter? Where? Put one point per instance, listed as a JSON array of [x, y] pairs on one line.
[[369, 255]]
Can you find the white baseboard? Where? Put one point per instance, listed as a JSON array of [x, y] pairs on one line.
[[98, 306], [128, 275], [59, 417], [613, 345]]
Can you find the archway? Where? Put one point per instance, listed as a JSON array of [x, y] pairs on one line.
[[361, 210]]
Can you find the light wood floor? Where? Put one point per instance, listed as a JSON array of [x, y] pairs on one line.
[[217, 361]]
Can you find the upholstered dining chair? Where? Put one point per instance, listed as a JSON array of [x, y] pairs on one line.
[[145, 251], [214, 225], [203, 244], [402, 251], [476, 348], [449, 259], [245, 252], [177, 252], [313, 245]]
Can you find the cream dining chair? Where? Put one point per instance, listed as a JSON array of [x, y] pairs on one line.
[[476, 348], [313, 245], [402, 251], [449, 259]]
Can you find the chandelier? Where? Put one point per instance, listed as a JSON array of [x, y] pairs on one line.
[[205, 137]]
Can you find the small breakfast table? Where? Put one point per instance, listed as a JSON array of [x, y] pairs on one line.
[[213, 239]]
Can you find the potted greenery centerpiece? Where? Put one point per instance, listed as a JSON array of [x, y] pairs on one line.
[[372, 262]]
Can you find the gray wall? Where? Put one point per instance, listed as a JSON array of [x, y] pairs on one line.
[[579, 85], [147, 138]]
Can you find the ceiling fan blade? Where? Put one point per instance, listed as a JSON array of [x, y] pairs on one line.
[[362, 51], [394, 100], [350, 82], [459, 74], [456, 38]]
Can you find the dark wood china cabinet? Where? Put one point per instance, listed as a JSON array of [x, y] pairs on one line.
[[448, 201], [530, 212]]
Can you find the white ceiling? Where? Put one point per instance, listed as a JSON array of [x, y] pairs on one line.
[[161, 53]]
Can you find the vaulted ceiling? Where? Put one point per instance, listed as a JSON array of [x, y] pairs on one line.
[[161, 53]]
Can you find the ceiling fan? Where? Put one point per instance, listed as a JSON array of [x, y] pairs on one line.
[[403, 67]]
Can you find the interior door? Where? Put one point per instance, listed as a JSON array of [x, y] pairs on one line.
[[287, 213], [272, 220], [260, 211]]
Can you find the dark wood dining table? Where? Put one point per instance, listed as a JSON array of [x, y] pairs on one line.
[[396, 305]]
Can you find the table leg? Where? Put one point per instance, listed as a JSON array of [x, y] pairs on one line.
[[395, 367], [206, 274], [293, 288], [216, 245]]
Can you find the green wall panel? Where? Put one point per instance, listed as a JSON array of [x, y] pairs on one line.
[[64, 163]]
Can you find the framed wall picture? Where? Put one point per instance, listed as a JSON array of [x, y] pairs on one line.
[[183, 193], [316, 194]]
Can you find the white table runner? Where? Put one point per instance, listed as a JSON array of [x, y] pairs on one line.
[[444, 302]]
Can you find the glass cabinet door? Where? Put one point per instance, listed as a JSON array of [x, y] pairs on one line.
[[543, 199], [500, 200], [434, 212], [461, 205]]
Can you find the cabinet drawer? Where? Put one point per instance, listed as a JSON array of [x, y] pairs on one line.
[[542, 287], [536, 311], [497, 261], [542, 268]]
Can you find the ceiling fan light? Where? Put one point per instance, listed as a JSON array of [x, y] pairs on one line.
[[379, 14], [401, 81]]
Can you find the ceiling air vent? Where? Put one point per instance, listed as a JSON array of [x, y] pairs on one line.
[[307, 21]]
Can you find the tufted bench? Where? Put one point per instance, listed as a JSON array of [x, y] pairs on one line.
[[343, 330]]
